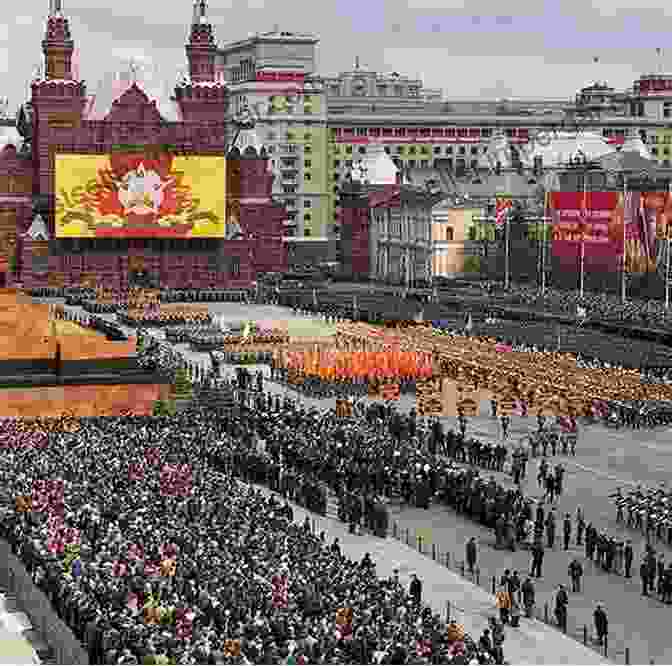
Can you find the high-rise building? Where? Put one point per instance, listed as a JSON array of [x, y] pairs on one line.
[[316, 127]]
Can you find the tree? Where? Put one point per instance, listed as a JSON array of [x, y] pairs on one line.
[[181, 384]]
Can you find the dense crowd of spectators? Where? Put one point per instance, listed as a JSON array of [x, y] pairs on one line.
[[607, 307], [150, 549]]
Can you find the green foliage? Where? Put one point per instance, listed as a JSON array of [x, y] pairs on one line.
[[182, 385], [160, 408], [472, 264]]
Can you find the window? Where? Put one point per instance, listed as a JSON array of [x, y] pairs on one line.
[[289, 189], [307, 149], [348, 163], [361, 131], [653, 139], [666, 151], [307, 136], [424, 164], [307, 176], [424, 149], [654, 151], [486, 132], [387, 150], [361, 150], [462, 150], [667, 139], [400, 131], [306, 217], [412, 150], [235, 267], [307, 233], [474, 150], [307, 203], [337, 164], [474, 164], [400, 150], [449, 150], [348, 149], [437, 150], [307, 164]]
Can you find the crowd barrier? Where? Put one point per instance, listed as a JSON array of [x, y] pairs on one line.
[[59, 637]]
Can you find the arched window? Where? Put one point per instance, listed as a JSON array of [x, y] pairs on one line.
[[449, 233]]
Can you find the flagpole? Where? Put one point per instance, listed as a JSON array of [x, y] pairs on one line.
[[506, 252], [667, 273], [583, 235], [624, 266]]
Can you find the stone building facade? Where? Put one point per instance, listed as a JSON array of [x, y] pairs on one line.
[[55, 120]]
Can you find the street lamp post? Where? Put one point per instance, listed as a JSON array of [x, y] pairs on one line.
[[667, 272], [623, 262], [493, 220]]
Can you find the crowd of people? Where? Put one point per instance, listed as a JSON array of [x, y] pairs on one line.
[[152, 551], [607, 307], [160, 318]]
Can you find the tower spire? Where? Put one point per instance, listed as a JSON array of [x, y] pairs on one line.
[[57, 44], [200, 12], [201, 49]]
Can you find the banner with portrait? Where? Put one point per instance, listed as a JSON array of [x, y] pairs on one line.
[[611, 224]]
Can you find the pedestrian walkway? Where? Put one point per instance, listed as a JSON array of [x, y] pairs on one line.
[[532, 643], [15, 647]]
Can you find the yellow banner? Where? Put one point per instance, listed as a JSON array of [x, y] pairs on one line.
[[152, 194]]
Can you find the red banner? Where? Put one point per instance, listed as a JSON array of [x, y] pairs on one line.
[[608, 222], [586, 217], [502, 208]]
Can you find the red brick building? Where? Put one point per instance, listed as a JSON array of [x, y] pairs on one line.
[[57, 120]]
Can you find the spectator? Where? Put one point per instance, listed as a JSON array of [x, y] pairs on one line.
[[528, 595], [601, 623], [503, 604], [415, 589], [561, 603], [575, 573], [471, 554]]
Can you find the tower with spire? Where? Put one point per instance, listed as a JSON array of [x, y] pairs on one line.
[[201, 48], [57, 101], [57, 45], [201, 97]]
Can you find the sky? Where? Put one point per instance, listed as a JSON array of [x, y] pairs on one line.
[[540, 49]]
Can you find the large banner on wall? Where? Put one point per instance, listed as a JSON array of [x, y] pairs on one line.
[[140, 194], [611, 222]]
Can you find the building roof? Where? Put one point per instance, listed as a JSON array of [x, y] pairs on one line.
[[508, 182], [563, 146], [376, 168], [629, 161], [9, 135], [38, 229], [114, 84]]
